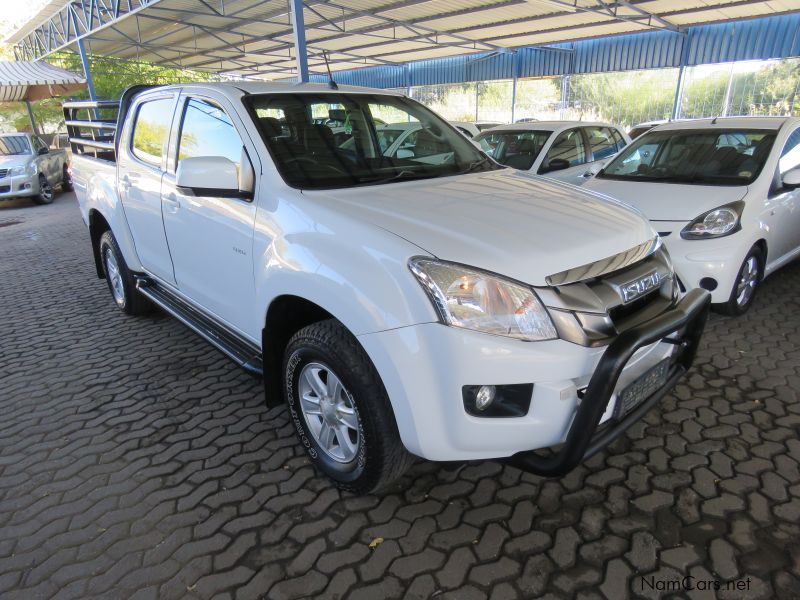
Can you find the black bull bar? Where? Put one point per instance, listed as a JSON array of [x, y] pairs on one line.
[[688, 319]]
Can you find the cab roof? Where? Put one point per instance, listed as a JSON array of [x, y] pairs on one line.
[[236, 88]]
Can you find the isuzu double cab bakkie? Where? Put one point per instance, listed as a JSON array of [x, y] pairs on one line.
[[426, 303]]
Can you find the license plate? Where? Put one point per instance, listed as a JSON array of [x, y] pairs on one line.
[[641, 389]]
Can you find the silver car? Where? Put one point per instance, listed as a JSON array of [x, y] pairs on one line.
[[29, 168]]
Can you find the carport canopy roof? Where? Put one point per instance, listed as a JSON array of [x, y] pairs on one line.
[[255, 37], [22, 80]]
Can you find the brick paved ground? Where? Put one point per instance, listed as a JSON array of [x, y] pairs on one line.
[[136, 462]]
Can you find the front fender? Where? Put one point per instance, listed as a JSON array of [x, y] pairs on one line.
[[355, 271]]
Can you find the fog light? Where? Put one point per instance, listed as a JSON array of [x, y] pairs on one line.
[[485, 397]]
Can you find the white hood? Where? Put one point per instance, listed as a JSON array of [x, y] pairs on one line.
[[668, 201], [15, 160], [521, 227]]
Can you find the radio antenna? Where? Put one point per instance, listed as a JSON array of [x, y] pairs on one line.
[[331, 82]]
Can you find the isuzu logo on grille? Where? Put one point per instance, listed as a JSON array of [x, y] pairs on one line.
[[635, 289]]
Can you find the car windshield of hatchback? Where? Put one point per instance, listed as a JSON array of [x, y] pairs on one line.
[[517, 149], [694, 156], [373, 139], [14, 145]]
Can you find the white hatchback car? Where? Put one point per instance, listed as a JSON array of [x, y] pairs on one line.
[[571, 151], [722, 193]]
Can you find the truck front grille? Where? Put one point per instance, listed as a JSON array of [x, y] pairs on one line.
[[3, 173]]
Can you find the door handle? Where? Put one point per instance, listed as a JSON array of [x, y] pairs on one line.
[[172, 201]]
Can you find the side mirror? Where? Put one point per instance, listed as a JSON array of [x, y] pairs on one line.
[[44, 150], [208, 176], [791, 179], [405, 153], [557, 164]]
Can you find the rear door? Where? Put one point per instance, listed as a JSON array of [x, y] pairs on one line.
[[211, 238], [570, 146], [141, 162]]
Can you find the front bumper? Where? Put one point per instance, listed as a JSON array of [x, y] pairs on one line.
[[424, 368], [687, 319], [694, 260], [19, 185]]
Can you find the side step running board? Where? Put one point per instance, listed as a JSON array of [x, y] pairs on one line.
[[231, 344]]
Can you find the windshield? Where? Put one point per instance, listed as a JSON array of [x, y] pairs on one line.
[[694, 156], [333, 140], [14, 145], [517, 149]]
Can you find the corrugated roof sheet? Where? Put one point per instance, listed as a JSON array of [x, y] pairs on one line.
[[757, 39], [22, 80]]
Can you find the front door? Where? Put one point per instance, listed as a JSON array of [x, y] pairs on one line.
[[211, 238], [784, 203], [140, 167]]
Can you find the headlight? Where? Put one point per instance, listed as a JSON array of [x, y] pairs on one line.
[[472, 299], [14, 171], [715, 223]]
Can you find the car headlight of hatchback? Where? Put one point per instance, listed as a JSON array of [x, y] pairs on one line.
[[719, 222], [474, 299]]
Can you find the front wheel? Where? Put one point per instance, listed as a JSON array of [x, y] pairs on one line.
[[341, 410], [45, 195], [66, 179], [747, 282]]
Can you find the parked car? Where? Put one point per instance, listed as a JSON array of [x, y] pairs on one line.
[[484, 125], [468, 129], [640, 128], [570, 151], [723, 195], [28, 168], [440, 306]]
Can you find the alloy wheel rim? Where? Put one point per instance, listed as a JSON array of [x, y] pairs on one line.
[[115, 278], [748, 280], [329, 411]]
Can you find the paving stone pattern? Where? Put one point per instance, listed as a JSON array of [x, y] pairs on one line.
[[136, 462]]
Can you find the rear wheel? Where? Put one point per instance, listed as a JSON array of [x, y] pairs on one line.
[[341, 410], [45, 195], [120, 279], [747, 282]]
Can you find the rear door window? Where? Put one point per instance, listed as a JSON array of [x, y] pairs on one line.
[[151, 130], [602, 142]]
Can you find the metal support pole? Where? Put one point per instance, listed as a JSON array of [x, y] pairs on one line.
[[299, 28], [514, 86], [677, 103], [726, 105], [564, 95], [477, 98], [86, 70], [30, 116]]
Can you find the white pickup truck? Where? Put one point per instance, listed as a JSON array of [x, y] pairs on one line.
[[433, 304]]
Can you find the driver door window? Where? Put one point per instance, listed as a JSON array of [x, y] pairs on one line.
[[208, 131], [790, 157], [567, 146]]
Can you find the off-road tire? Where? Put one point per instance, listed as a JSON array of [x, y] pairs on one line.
[[381, 458]]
